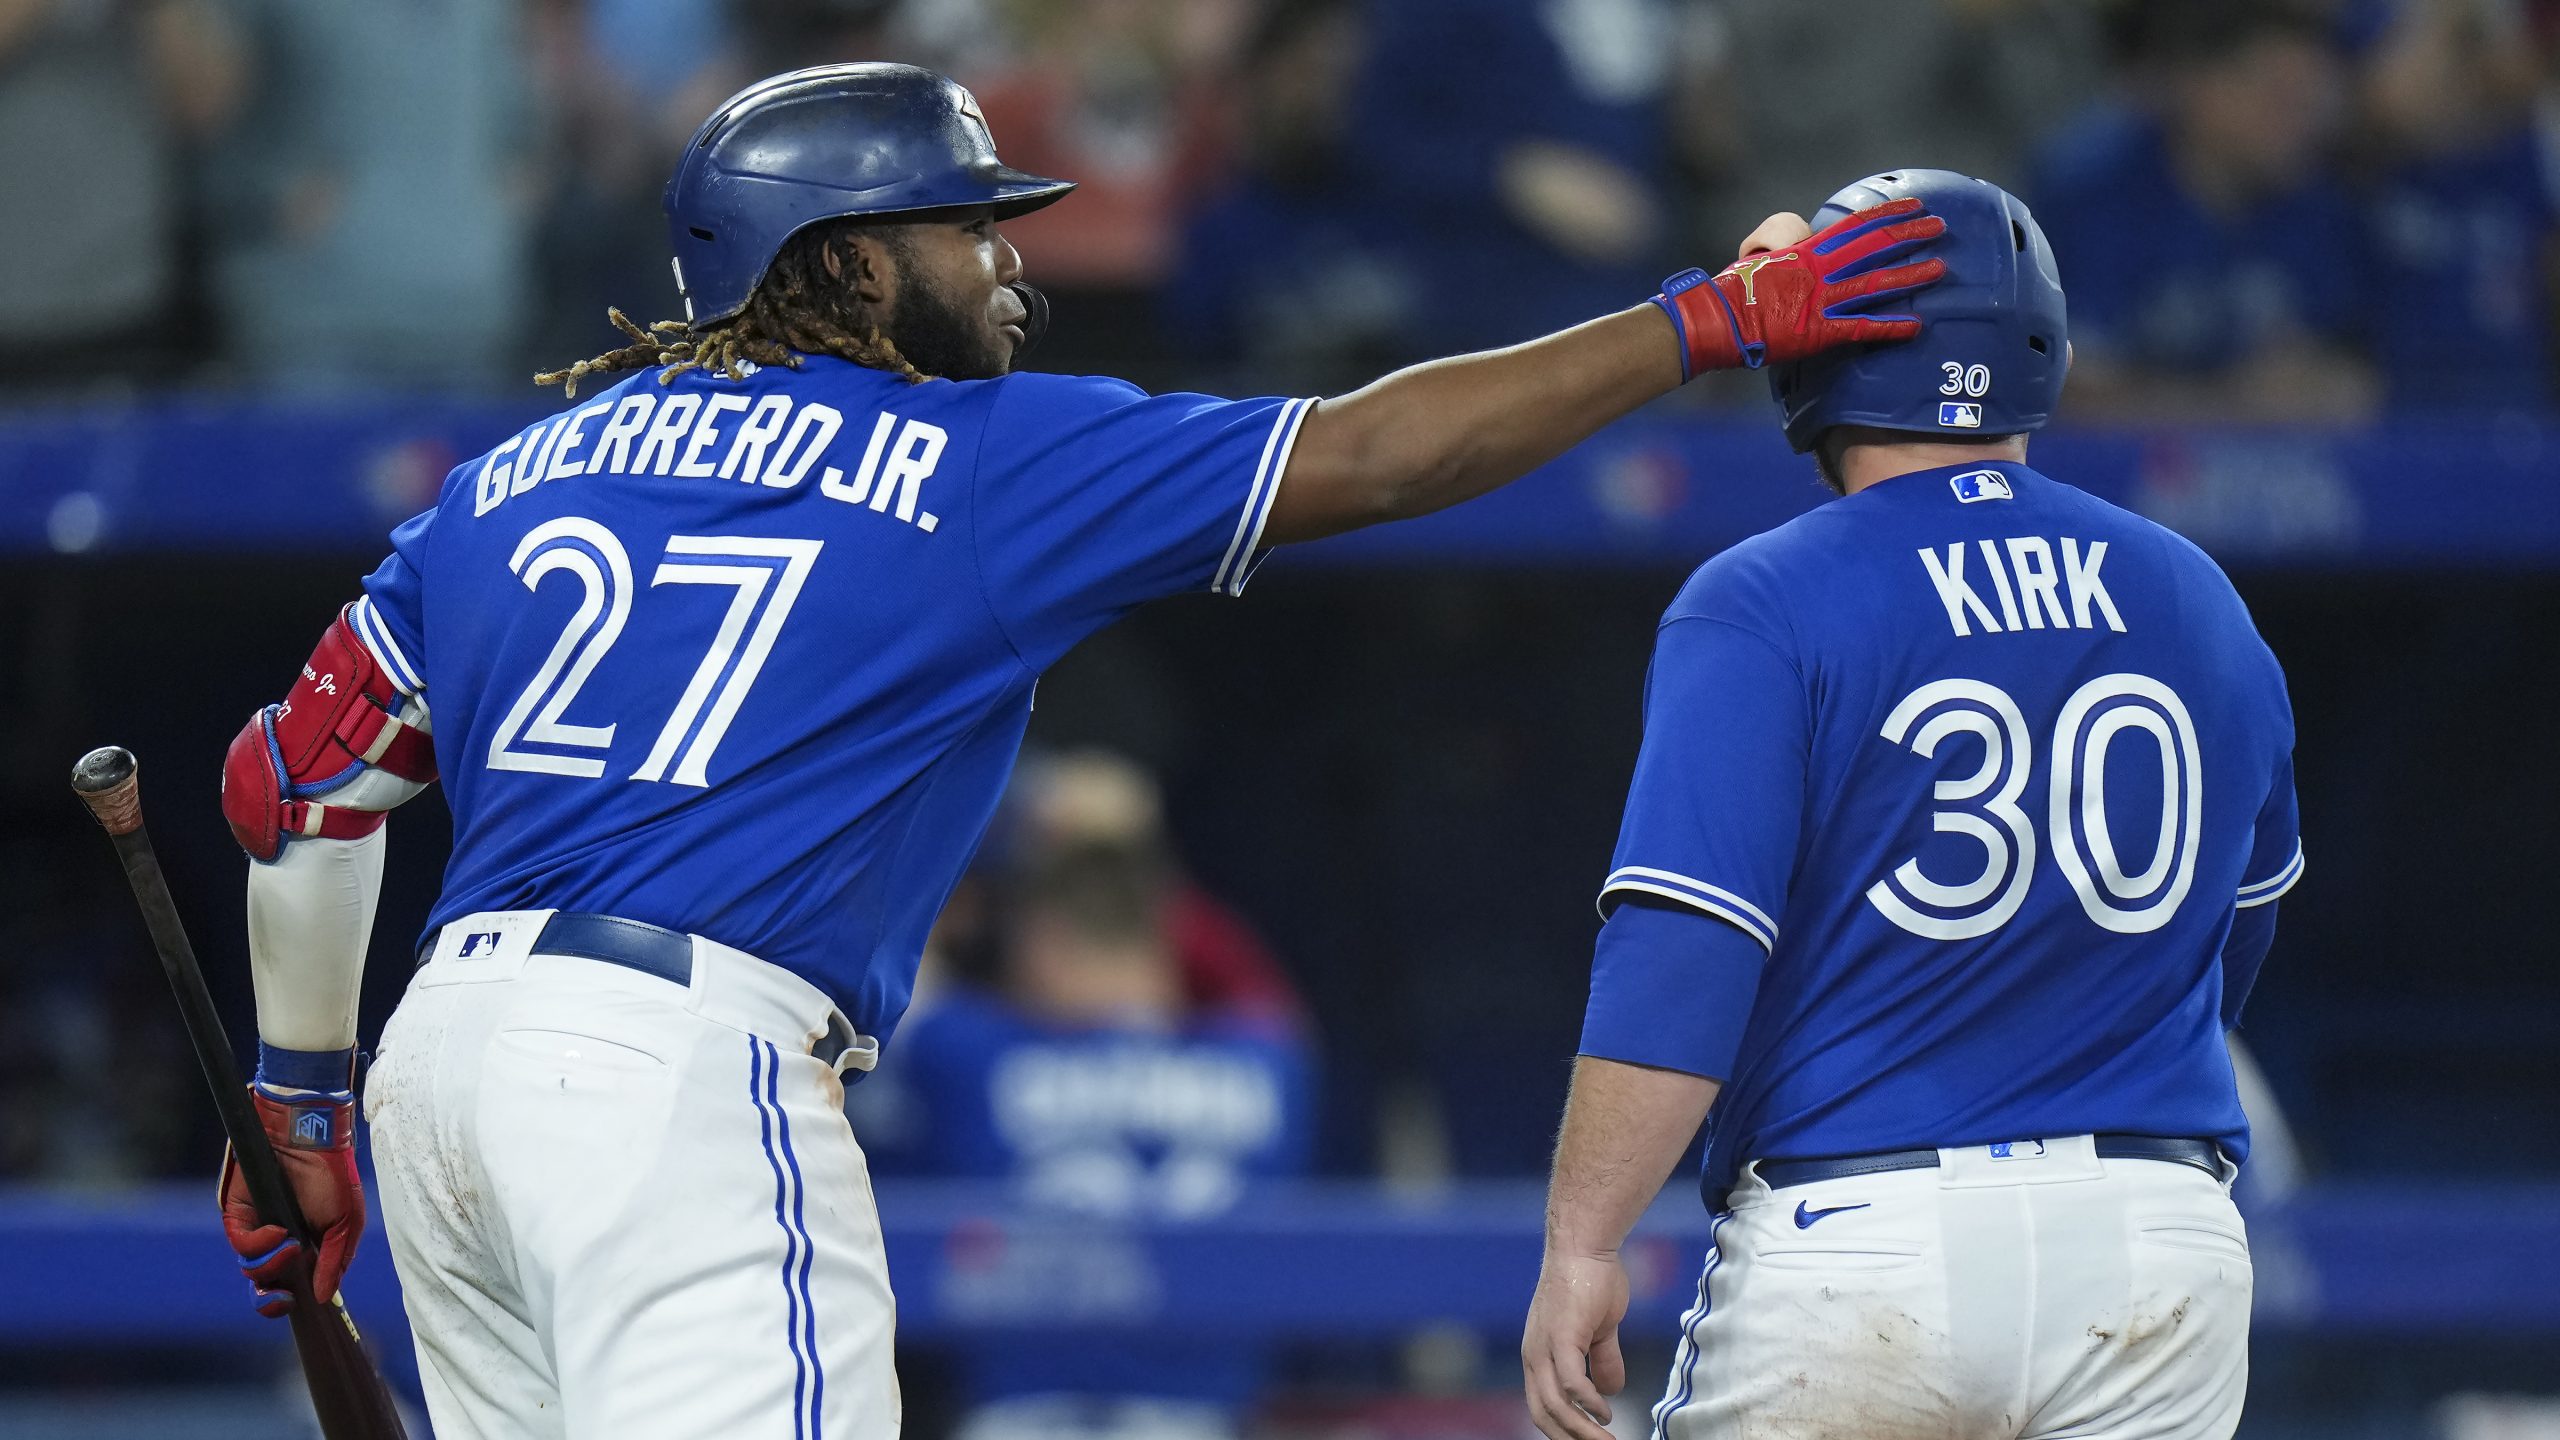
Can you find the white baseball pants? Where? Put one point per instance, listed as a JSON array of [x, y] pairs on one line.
[[624, 1207], [2046, 1294]]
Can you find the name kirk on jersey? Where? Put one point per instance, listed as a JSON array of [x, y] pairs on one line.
[[771, 442], [2027, 583]]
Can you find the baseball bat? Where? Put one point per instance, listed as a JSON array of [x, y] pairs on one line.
[[347, 1392]]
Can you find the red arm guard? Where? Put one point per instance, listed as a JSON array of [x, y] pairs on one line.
[[338, 720]]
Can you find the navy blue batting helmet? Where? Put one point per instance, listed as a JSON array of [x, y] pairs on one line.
[[1991, 352], [819, 144]]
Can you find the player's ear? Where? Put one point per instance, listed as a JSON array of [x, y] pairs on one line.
[[861, 259]]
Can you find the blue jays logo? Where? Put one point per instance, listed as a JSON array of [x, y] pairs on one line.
[[1981, 485], [968, 108], [471, 942], [311, 1129], [1959, 415]]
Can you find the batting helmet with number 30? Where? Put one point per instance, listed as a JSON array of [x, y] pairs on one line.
[[1992, 347]]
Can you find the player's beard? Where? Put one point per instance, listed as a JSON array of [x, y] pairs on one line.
[[940, 337]]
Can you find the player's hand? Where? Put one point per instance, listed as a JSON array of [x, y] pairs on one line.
[[314, 1139], [1775, 233], [1569, 1358], [1784, 305]]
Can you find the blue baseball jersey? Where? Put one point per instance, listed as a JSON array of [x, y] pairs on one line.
[[2162, 281], [1984, 767], [1106, 1121], [752, 659], [2459, 244]]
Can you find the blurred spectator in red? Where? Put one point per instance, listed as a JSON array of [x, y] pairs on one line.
[[1517, 146], [2211, 246], [1780, 102], [1103, 92], [1114, 95], [2462, 205], [99, 100], [372, 200], [1290, 280], [1097, 1077], [1094, 798]]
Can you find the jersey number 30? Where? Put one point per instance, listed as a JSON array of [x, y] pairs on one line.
[[1984, 806], [767, 576]]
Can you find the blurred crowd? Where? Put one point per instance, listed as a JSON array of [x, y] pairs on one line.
[[2264, 209], [1110, 1042]]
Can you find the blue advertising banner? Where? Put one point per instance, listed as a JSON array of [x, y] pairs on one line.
[[1305, 1260], [264, 477]]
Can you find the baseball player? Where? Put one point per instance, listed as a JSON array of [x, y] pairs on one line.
[[1085, 1080], [1952, 850], [723, 669]]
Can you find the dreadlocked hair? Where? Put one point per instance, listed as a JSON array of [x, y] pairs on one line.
[[797, 309]]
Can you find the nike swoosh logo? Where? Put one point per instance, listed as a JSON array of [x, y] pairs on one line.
[[1805, 1217]]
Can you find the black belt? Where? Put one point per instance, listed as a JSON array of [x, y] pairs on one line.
[[652, 950], [2204, 1155]]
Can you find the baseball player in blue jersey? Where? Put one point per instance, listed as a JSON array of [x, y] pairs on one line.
[[723, 669], [1951, 853]]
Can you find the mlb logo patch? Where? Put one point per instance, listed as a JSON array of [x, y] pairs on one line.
[[471, 943], [1959, 415], [2017, 1150], [1981, 485]]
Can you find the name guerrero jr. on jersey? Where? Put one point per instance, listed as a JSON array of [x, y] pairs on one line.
[[775, 442]]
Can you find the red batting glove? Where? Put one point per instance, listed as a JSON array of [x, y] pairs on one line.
[[1786, 305], [314, 1136]]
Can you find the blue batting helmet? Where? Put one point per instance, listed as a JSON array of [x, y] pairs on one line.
[[819, 144], [1991, 352]]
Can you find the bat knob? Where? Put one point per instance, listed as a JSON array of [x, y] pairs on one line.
[[101, 769], [109, 783]]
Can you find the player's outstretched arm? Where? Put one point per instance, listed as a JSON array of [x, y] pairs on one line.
[[1625, 1126], [1430, 436], [306, 786]]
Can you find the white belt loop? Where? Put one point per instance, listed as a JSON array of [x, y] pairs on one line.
[[738, 990], [861, 1055]]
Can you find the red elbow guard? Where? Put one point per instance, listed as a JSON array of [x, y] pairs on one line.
[[337, 721]]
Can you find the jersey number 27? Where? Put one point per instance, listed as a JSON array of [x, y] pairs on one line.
[[766, 575], [1984, 806]]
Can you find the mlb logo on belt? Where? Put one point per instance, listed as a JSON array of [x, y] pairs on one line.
[[1981, 485], [2017, 1150], [471, 942], [1959, 415]]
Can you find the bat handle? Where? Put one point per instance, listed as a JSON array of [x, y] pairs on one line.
[[109, 782]]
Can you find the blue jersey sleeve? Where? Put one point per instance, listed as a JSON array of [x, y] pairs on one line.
[[1718, 797], [2253, 932], [2275, 863], [1094, 497], [391, 618], [2275, 855], [1670, 988]]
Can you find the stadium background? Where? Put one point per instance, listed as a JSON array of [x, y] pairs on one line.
[[271, 266]]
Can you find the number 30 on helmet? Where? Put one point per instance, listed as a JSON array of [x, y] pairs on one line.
[[1994, 339]]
